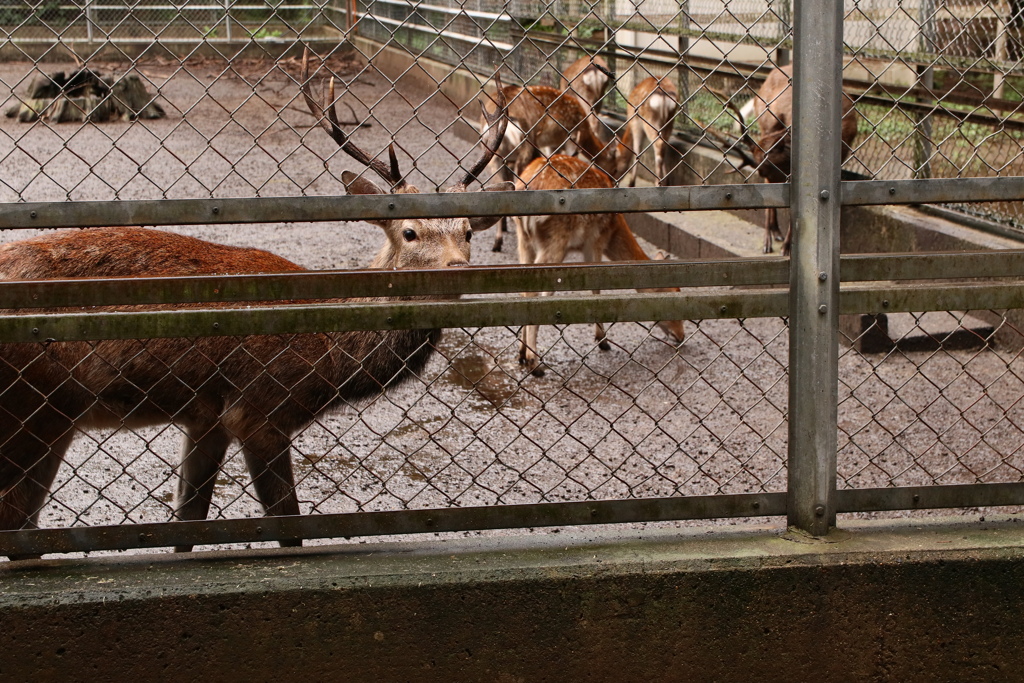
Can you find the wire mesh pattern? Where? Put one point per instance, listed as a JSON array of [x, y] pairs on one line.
[[940, 404], [934, 91], [640, 420]]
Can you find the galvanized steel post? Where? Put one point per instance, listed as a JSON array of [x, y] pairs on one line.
[[814, 265]]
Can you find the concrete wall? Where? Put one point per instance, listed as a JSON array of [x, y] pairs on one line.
[[917, 602]]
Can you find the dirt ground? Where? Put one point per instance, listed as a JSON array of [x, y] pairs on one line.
[[643, 419]]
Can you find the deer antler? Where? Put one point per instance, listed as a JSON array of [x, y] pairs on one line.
[[734, 144], [392, 175], [496, 124]]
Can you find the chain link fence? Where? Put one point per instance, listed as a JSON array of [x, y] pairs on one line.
[[205, 124]]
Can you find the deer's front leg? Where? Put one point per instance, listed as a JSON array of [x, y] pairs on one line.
[[268, 457], [202, 453]]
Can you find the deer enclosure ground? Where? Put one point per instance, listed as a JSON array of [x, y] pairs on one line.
[[642, 419]]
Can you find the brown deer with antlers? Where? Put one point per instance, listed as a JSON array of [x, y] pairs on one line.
[[258, 390], [651, 115], [548, 239]]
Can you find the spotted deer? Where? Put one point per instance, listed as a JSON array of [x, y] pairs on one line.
[[258, 390], [541, 120], [548, 239], [651, 115], [772, 150], [588, 79]]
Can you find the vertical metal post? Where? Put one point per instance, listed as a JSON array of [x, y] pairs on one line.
[[814, 265], [925, 81], [227, 19], [89, 19], [782, 55], [682, 69]]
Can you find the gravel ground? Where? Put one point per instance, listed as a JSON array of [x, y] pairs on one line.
[[642, 419]]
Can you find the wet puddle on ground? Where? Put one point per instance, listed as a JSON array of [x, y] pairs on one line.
[[478, 372]]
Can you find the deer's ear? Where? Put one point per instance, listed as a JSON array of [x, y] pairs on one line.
[[355, 184], [660, 256]]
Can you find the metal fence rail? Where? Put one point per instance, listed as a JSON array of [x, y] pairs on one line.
[[772, 406]]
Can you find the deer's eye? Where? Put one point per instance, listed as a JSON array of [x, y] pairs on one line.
[[409, 234], [469, 235]]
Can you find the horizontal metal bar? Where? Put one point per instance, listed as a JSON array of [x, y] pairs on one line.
[[419, 6], [166, 534], [319, 285], [965, 264], [391, 283], [540, 202], [932, 191], [394, 315], [363, 207], [929, 497], [706, 304], [432, 31], [930, 297]]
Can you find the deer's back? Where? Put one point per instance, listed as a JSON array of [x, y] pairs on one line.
[[129, 252]]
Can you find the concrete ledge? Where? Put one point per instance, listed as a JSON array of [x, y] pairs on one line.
[[914, 601]]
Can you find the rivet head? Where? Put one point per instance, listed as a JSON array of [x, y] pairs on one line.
[[885, 303], [35, 330], [819, 511], [728, 195], [391, 205], [561, 200], [892, 190], [33, 214], [822, 276], [723, 309], [824, 195], [823, 309], [216, 209]]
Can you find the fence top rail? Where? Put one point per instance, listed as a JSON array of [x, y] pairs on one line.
[[83, 214]]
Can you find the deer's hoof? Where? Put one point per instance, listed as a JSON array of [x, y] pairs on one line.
[[531, 363], [497, 246], [603, 345]]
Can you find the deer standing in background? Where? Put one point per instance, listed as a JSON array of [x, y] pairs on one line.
[[772, 152], [651, 115], [588, 79], [258, 389], [540, 120], [548, 239]]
